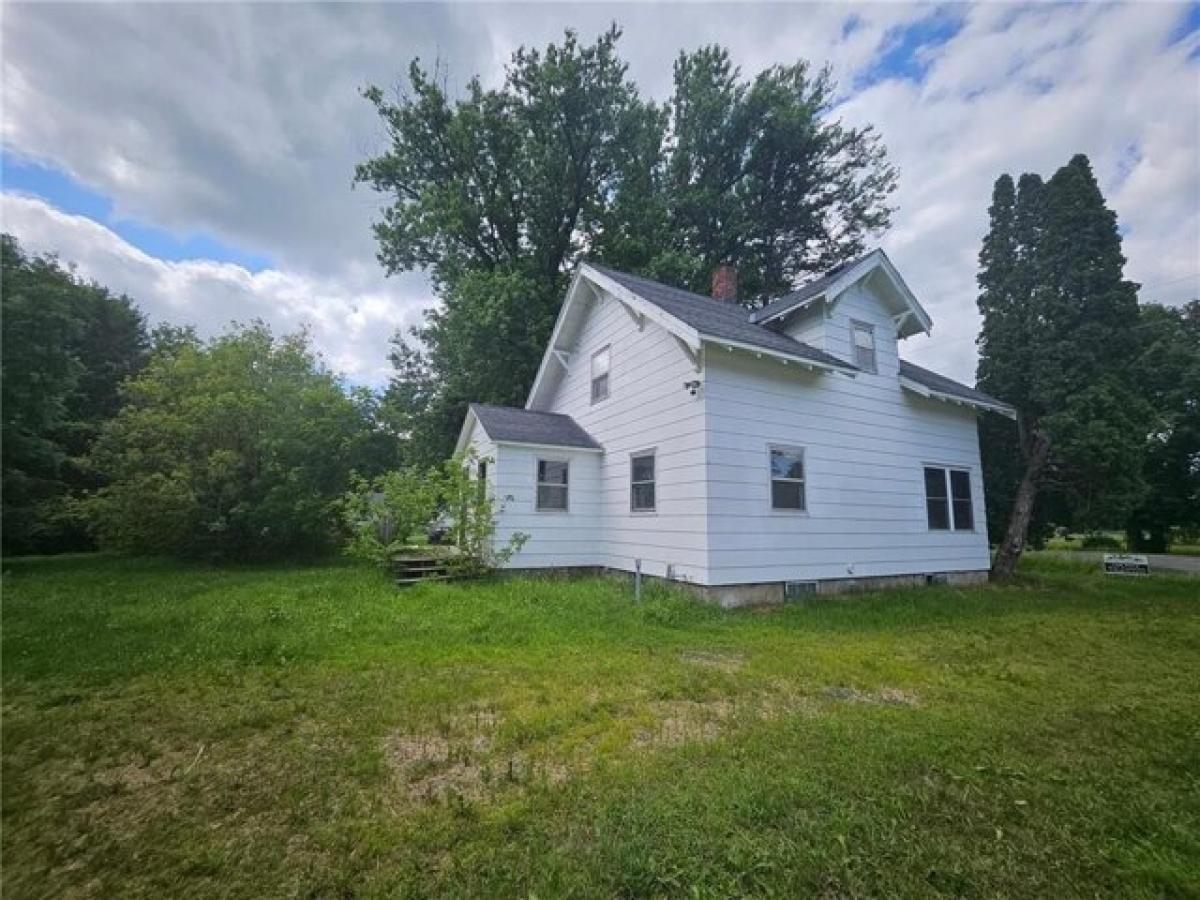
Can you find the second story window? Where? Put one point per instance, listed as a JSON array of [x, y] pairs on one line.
[[600, 364], [863, 338]]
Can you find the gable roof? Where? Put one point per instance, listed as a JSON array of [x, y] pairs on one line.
[[718, 320], [911, 317], [805, 293], [511, 425], [939, 387]]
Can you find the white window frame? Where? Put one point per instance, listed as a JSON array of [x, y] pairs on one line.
[[801, 510], [869, 330], [652, 452], [606, 350], [538, 484], [951, 517]]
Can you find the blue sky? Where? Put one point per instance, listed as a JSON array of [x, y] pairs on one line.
[[65, 193], [203, 162]]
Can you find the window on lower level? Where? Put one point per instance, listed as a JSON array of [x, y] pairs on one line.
[[948, 502], [552, 478], [641, 482], [787, 478]]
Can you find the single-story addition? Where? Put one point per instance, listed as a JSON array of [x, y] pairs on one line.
[[754, 455]]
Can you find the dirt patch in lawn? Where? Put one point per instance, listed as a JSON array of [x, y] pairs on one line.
[[723, 662], [885, 696], [458, 759], [461, 758]]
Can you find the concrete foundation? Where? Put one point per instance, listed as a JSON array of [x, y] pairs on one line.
[[772, 593]]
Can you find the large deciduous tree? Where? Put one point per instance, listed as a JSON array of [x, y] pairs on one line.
[[67, 347], [1058, 341], [498, 192], [1168, 373]]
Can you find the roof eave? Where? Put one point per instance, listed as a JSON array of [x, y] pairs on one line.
[[929, 393], [465, 431], [778, 354], [544, 446]]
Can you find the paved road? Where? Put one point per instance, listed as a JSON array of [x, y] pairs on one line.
[[1158, 561]]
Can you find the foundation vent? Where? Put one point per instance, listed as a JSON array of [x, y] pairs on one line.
[[797, 590]]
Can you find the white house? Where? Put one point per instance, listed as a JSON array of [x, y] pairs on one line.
[[754, 455]]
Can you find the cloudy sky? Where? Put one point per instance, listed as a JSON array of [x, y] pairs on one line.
[[200, 157]]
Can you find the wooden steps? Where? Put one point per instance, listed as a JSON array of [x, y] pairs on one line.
[[415, 569]]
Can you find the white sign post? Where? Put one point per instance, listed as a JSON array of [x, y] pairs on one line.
[[1126, 564]]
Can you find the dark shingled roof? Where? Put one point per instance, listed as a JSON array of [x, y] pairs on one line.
[[524, 426], [804, 292], [944, 385], [717, 319]]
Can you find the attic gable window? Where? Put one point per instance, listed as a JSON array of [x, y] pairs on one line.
[[600, 364], [863, 340]]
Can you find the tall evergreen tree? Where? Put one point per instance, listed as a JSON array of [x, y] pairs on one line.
[[499, 193], [1056, 310]]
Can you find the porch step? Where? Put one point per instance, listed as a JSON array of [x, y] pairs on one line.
[[415, 569]]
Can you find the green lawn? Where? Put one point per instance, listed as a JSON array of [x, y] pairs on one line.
[[179, 731]]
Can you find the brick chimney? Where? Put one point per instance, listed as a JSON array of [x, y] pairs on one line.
[[724, 283]]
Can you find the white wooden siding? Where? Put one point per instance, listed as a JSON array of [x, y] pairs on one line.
[[647, 407], [865, 440], [556, 538], [866, 443]]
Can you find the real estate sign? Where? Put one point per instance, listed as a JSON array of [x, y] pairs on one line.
[[1126, 564]]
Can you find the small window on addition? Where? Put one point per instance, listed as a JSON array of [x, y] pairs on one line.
[[552, 477], [600, 365], [642, 482], [787, 478], [863, 336]]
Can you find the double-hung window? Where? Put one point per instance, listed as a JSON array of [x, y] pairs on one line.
[[552, 478], [863, 338], [641, 482], [787, 478], [601, 360], [948, 499]]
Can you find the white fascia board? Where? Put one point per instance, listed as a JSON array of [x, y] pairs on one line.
[[554, 338], [557, 448], [917, 388], [644, 308], [776, 354], [465, 432], [836, 287], [909, 297]]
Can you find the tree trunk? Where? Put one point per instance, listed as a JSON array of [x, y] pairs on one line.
[[1018, 522]]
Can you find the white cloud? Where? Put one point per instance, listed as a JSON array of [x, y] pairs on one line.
[[350, 318], [1024, 90], [244, 121]]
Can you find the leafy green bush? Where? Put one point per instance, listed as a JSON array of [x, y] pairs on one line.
[[233, 449], [1101, 541], [386, 515]]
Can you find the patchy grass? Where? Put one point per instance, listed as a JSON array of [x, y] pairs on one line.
[[189, 731]]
